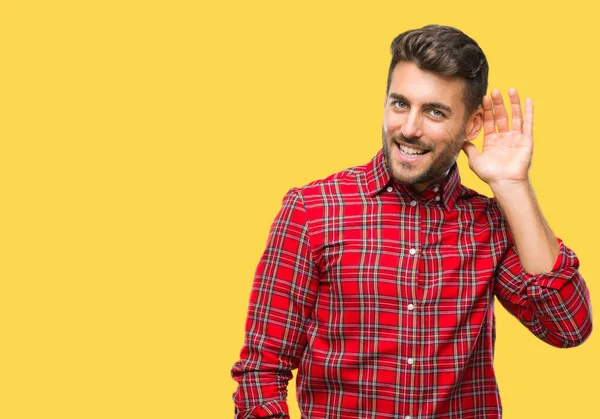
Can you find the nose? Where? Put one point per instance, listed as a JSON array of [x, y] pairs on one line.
[[412, 126]]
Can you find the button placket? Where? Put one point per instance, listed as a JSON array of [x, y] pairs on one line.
[[414, 252]]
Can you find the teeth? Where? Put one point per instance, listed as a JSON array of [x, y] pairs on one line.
[[410, 150]]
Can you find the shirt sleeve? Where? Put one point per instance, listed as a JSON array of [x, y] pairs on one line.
[[554, 306], [282, 298]]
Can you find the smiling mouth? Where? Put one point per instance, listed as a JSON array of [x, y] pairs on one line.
[[411, 151]]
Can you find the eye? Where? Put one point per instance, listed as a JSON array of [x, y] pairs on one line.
[[437, 113], [399, 105]]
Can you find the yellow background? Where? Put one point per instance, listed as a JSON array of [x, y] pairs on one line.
[[145, 150]]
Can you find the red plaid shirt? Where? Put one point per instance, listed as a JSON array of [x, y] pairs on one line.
[[384, 301]]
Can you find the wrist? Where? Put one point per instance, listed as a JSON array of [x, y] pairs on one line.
[[507, 188]]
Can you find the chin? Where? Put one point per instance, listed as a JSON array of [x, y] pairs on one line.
[[404, 180]]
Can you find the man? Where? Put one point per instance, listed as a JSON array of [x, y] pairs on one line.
[[378, 282]]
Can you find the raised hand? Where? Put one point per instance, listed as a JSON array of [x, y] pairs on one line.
[[505, 157]]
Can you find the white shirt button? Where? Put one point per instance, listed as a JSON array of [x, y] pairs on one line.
[[437, 198], [390, 189], [437, 188], [412, 251], [413, 203], [411, 361], [408, 417], [411, 306]]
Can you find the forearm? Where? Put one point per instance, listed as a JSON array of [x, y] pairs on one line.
[[536, 243]]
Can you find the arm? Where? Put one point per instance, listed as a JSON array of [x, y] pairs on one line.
[[554, 305], [283, 294], [538, 279], [536, 243]]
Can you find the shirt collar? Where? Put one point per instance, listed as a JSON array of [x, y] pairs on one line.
[[378, 179]]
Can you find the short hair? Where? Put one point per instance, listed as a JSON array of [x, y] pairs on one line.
[[446, 51]]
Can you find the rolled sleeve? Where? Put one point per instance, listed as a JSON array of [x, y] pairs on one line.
[[272, 409], [554, 306]]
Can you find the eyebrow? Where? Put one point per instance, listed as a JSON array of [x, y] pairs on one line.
[[437, 105]]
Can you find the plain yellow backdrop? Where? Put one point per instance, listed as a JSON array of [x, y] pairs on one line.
[[145, 150]]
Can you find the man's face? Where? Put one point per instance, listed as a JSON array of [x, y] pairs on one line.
[[424, 125]]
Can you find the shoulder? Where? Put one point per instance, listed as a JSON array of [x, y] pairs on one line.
[[339, 184], [478, 202]]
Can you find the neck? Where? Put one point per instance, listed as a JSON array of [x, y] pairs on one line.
[[418, 188]]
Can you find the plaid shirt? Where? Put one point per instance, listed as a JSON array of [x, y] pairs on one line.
[[384, 301]]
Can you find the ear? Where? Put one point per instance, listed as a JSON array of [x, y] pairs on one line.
[[474, 124]]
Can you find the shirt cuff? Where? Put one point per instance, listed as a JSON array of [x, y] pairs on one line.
[[270, 409], [563, 271]]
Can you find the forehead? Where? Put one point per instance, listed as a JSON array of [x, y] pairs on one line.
[[422, 86]]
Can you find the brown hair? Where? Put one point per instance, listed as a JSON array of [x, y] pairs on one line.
[[446, 51]]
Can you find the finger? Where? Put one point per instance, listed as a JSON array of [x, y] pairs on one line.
[[499, 111], [515, 110], [528, 121], [488, 116]]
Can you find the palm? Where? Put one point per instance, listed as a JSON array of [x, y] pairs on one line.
[[506, 153]]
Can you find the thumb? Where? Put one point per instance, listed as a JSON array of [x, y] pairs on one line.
[[471, 151]]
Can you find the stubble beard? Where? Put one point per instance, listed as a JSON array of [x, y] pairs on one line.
[[436, 169]]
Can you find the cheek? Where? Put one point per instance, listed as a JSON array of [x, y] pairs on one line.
[[392, 121], [441, 131]]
